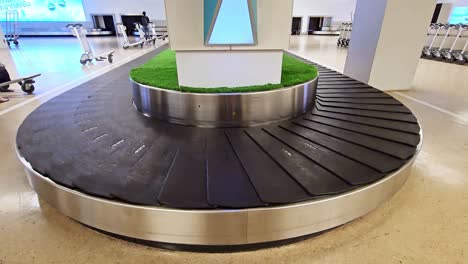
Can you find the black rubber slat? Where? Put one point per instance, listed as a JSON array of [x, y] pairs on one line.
[[367, 113], [341, 79], [354, 95], [186, 184], [379, 101], [272, 183], [145, 180], [351, 82], [391, 148], [330, 74], [375, 159], [351, 171], [377, 122], [383, 108], [397, 136], [315, 179], [347, 90], [341, 85], [228, 185]]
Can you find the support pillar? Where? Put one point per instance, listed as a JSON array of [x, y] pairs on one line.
[[222, 44], [387, 39]]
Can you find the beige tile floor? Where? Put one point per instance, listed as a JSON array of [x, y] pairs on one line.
[[426, 222]]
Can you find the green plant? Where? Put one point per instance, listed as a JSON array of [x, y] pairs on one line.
[[161, 72]]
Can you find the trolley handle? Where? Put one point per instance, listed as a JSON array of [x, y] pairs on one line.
[[74, 25]]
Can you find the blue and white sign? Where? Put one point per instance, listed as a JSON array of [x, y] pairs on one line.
[[459, 15], [44, 10], [230, 22]]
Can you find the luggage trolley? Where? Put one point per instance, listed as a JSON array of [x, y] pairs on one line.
[[348, 35], [461, 56], [345, 35], [341, 36], [11, 27], [88, 54], [154, 32], [427, 51], [26, 83], [126, 41]]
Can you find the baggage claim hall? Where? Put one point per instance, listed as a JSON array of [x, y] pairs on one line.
[[233, 131]]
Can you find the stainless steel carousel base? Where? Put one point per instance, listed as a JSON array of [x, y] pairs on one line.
[[217, 227], [224, 109]]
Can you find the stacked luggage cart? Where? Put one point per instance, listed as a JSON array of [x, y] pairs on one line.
[[345, 35], [447, 42], [11, 27]]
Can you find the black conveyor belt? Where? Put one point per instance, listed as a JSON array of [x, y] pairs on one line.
[[93, 140]]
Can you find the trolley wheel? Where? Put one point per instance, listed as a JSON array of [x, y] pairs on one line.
[[110, 58], [83, 61], [125, 47], [28, 88], [451, 59], [16, 42], [8, 42], [4, 88], [142, 44], [460, 62]]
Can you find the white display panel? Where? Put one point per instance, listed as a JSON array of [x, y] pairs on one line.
[[459, 15], [44, 10]]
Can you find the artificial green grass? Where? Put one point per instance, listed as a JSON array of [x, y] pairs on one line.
[[161, 72]]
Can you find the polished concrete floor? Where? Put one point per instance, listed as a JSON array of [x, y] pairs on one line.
[[426, 221], [57, 59]]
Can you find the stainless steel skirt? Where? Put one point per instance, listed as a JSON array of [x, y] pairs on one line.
[[217, 227], [225, 109]]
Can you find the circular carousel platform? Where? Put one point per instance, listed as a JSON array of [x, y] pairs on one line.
[[96, 159]]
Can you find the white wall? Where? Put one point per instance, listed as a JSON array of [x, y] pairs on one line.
[[455, 2], [154, 8], [339, 10]]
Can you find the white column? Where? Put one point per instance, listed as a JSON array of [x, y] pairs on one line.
[[207, 66], [387, 39]]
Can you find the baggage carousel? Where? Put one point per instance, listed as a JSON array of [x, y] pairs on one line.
[[90, 154]]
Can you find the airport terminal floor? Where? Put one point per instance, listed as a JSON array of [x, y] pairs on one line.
[[425, 222]]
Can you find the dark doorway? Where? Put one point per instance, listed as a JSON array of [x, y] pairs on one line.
[[315, 24], [435, 17], [296, 26], [104, 22], [129, 23]]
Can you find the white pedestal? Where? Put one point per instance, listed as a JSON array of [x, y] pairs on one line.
[[387, 40], [208, 66]]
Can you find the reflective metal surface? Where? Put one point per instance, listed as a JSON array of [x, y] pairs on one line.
[[224, 110], [217, 227]]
